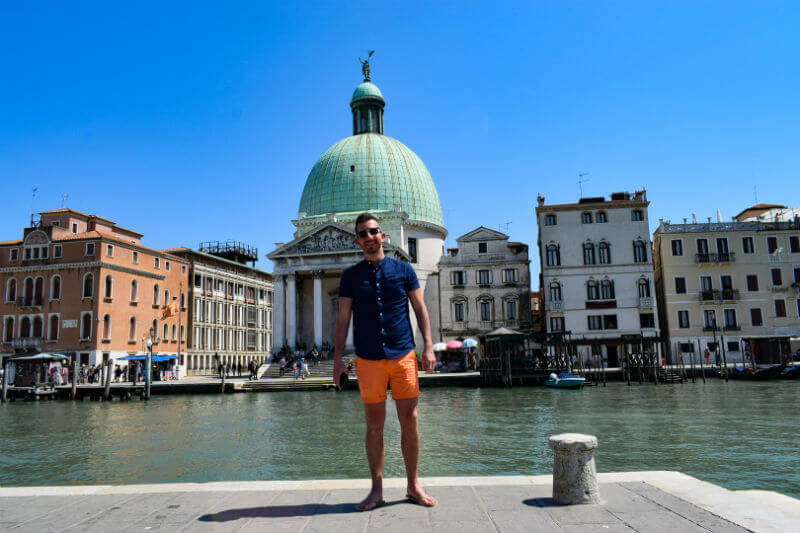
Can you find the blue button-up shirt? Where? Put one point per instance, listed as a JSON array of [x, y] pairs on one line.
[[381, 323]]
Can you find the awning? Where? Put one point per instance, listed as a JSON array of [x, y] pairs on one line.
[[39, 357], [156, 358]]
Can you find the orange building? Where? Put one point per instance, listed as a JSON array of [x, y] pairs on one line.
[[80, 285]]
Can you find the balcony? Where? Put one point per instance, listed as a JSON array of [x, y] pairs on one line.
[[730, 294], [556, 306], [732, 327], [24, 343], [645, 301], [706, 258], [708, 296], [710, 328]]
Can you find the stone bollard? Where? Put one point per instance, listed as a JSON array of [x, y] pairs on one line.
[[574, 474]]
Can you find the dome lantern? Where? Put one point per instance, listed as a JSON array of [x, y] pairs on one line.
[[367, 105]]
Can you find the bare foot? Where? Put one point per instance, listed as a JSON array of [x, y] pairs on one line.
[[373, 500], [417, 495]]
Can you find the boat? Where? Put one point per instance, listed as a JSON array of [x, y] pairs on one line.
[[565, 380], [756, 374], [792, 371]]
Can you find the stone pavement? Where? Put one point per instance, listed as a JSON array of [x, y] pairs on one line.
[[637, 501]]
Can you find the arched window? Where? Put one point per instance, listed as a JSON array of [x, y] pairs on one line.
[[167, 297], [25, 327], [53, 327], [588, 253], [88, 286], [604, 251], [156, 294], [602, 217], [606, 290], [8, 329], [586, 218], [38, 327], [639, 251], [107, 327], [183, 300], [55, 288], [636, 215], [132, 329], [553, 255], [38, 292], [27, 292], [134, 291], [154, 327], [11, 290], [644, 288], [109, 292], [86, 326], [555, 291], [165, 336], [592, 290]]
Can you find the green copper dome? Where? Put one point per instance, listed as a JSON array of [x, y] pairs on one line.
[[366, 90], [371, 172]]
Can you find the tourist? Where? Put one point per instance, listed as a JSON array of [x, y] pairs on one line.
[[282, 362], [377, 291], [117, 373], [125, 373]]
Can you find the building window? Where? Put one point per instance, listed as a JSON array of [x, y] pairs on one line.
[[486, 310], [135, 258], [553, 255], [556, 323], [109, 287], [722, 248], [53, 329], [57, 250], [484, 277], [594, 322], [110, 250], [86, 326], [683, 319], [458, 311], [198, 282], [509, 275], [555, 292], [165, 336], [609, 321], [777, 279], [132, 329], [702, 247], [157, 263], [602, 218], [412, 249], [156, 294], [89, 248], [747, 245], [106, 327], [797, 275], [88, 286], [639, 252], [457, 277], [13, 254], [709, 319], [11, 290], [606, 290], [730, 318], [780, 308], [680, 285], [586, 218], [588, 253], [772, 244], [550, 220], [733, 346], [726, 283], [167, 299], [647, 320], [8, 329], [592, 290], [604, 251], [677, 247], [794, 244], [511, 310], [636, 215], [482, 248], [167, 266], [183, 269], [644, 288], [755, 317], [134, 291], [752, 282]]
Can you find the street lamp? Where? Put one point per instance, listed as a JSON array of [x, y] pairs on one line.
[[149, 365]]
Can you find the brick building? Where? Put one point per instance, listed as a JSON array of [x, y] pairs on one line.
[[82, 286]]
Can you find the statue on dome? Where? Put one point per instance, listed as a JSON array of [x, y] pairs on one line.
[[365, 65]]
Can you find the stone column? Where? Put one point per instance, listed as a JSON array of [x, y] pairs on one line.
[[279, 313], [291, 310], [317, 307], [574, 473]]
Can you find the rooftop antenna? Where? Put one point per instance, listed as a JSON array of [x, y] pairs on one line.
[[755, 193], [33, 198], [581, 181], [64, 200], [506, 224]]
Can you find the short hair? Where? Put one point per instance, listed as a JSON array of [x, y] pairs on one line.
[[364, 217]]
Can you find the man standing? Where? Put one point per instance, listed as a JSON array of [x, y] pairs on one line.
[[377, 291]]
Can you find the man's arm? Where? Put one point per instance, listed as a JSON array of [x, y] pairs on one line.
[[424, 323], [342, 325]]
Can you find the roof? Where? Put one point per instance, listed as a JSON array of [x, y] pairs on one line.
[[366, 90], [17, 241], [607, 204], [191, 251], [760, 207]]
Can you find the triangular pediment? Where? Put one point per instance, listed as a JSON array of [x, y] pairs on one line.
[[482, 233], [326, 239]]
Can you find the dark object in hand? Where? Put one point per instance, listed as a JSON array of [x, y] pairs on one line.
[[343, 381]]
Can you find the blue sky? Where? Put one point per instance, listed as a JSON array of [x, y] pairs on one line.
[[201, 120]]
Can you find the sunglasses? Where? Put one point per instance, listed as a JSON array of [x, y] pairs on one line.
[[371, 231]]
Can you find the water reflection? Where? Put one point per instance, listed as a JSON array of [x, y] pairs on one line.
[[735, 434]]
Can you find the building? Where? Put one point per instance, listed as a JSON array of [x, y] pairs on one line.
[[735, 285], [485, 284], [597, 271], [82, 286], [366, 172], [230, 306], [768, 213]]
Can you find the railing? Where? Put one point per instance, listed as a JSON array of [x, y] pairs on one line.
[[732, 327], [556, 306], [725, 257], [710, 328], [708, 296], [27, 342], [730, 294], [645, 301]]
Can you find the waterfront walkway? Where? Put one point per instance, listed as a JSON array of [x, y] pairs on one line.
[[636, 501]]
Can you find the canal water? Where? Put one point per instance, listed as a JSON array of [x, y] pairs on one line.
[[738, 435]]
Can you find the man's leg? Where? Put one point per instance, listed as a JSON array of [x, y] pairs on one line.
[[409, 442], [376, 452]]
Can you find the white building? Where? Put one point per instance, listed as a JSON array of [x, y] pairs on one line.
[[485, 284], [597, 271]]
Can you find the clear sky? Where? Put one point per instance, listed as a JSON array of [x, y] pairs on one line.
[[193, 121]]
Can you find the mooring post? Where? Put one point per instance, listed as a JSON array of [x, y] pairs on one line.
[[75, 378], [107, 389], [574, 472], [5, 381]]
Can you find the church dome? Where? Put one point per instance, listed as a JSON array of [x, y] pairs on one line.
[[370, 171]]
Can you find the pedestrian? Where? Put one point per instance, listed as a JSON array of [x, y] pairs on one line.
[[282, 362], [117, 373], [376, 291], [125, 373]]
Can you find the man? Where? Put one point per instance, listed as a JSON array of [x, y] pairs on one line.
[[377, 291]]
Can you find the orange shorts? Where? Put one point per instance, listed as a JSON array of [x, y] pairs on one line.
[[375, 376]]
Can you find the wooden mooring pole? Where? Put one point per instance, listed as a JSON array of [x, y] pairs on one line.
[[74, 393], [107, 387], [5, 381]]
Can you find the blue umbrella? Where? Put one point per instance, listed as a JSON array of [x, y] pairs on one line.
[[470, 343]]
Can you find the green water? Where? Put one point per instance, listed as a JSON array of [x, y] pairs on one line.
[[738, 435]]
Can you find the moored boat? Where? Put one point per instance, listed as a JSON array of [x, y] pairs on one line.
[[756, 374], [565, 380], [792, 371]]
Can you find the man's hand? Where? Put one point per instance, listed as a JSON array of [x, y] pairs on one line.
[[428, 359], [338, 370]]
